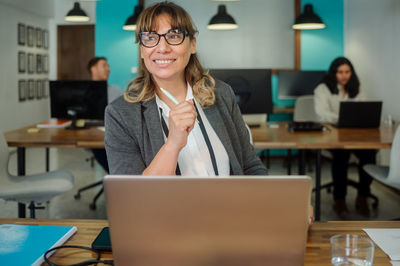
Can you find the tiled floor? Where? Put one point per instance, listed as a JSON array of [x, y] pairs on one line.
[[74, 160]]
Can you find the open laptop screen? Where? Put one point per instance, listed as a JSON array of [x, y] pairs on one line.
[[360, 114]]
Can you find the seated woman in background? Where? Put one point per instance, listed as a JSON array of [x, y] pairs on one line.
[[341, 84]]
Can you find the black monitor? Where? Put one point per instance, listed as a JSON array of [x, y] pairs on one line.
[[78, 99], [295, 83], [252, 88]]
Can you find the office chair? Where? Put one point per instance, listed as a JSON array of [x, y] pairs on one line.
[[304, 111], [101, 158], [388, 175], [31, 189]]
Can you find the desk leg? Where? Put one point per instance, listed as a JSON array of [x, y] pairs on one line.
[[289, 161], [47, 159], [302, 161], [21, 171], [318, 186]]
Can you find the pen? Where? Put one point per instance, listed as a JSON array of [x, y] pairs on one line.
[[172, 98]]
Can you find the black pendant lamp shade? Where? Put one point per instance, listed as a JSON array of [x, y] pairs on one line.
[[308, 20], [76, 14], [130, 23], [222, 20]]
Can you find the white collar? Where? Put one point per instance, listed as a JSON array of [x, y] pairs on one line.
[[161, 104]]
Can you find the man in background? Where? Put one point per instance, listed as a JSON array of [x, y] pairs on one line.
[[100, 70]]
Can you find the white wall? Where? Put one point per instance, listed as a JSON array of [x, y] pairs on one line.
[[14, 114], [264, 38], [45, 14], [372, 41]]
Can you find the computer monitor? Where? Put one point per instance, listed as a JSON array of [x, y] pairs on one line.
[[295, 83], [78, 99], [252, 88]]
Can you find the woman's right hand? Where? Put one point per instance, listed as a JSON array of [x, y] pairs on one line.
[[181, 121]]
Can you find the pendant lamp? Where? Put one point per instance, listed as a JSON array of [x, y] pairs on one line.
[[130, 23], [308, 20], [76, 14], [222, 20]]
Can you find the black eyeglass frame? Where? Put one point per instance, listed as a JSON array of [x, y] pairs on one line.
[[163, 35]]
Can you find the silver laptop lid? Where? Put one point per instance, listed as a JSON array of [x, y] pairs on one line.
[[208, 221]]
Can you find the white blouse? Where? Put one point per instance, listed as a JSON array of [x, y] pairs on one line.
[[194, 159], [327, 104]]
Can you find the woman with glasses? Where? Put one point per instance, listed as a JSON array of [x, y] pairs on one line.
[[174, 119], [341, 84]]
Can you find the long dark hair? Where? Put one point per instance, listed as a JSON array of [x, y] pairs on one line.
[[352, 87]]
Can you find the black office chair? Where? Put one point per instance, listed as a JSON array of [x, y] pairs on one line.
[[101, 158], [353, 184]]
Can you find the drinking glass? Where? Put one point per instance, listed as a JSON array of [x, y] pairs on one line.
[[351, 250]]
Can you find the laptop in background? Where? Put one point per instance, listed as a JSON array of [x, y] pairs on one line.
[[359, 114], [241, 220]]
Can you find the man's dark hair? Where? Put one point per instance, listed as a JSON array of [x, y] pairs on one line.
[[93, 62]]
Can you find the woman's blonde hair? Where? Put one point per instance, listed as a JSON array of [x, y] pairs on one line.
[[142, 88]]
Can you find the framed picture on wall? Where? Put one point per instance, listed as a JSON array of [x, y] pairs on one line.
[[46, 89], [22, 90], [31, 89], [31, 63], [21, 34], [39, 37], [21, 62], [31, 36], [45, 63], [39, 65], [39, 89], [45, 39]]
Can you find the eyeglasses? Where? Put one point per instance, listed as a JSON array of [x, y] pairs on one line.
[[172, 37]]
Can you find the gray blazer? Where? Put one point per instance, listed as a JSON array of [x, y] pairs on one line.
[[134, 134]]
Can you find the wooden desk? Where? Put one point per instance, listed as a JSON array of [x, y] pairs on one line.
[[265, 137], [50, 138], [317, 248]]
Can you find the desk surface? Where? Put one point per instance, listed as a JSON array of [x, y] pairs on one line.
[[266, 137], [56, 138], [317, 249]]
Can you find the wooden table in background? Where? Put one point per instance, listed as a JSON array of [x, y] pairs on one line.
[[317, 248], [90, 138], [263, 137], [267, 137]]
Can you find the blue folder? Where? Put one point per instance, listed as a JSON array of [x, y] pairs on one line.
[[26, 244]]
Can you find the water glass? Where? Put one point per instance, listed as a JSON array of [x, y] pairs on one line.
[[351, 250]]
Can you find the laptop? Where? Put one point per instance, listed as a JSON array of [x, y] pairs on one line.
[[359, 114], [241, 220]]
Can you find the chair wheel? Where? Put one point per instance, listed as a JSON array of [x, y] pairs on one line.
[[92, 206], [77, 196]]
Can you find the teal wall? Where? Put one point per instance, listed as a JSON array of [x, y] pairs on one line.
[[113, 42], [320, 47]]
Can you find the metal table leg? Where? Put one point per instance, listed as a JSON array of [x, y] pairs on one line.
[[289, 162], [318, 186], [47, 159], [302, 160], [21, 171]]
